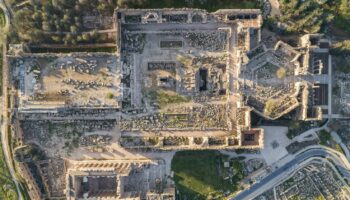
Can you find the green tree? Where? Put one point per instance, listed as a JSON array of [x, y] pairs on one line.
[[56, 38], [86, 37], [68, 39], [73, 29]]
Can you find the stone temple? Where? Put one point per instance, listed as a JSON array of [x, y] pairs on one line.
[[179, 79]]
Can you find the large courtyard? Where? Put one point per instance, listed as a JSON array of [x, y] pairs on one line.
[[69, 80]]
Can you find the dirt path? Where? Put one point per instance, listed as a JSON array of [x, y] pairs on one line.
[[275, 8], [4, 124]]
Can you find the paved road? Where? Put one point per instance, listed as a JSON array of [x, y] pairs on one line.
[[288, 168]]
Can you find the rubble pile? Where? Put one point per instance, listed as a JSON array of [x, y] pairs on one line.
[[91, 140], [210, 117], [175, 18], [133, 19], [219, 62], [77, 65], [133, 42], [175, 141], [209, 41], [71, 113], [43, 130], [80, 85], [217, 141], [198, 140], [161, 65]]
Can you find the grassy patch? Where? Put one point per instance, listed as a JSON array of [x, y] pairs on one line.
[[342, 64], [281, 73], [325, 137], [23, 189], [201, 175], [270, 106], [163, 98], [7, 186], [2, 18], [342, 19], [296, 127], [110, 95], [1, 70], [338, 148], [341, 48]]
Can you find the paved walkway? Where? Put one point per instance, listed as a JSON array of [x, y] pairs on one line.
[[330, 87], [305, 136]]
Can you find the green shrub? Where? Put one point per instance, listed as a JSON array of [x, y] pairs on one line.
[[110, 95]]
